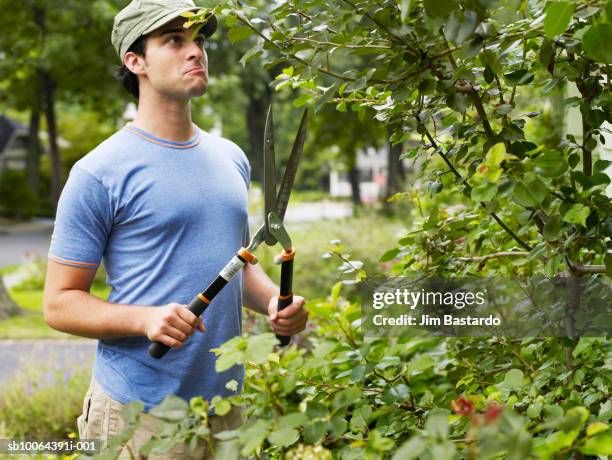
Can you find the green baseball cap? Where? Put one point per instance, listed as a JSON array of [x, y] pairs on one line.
[[141, 17]]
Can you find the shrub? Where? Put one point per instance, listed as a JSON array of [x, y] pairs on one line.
[[43, 402]]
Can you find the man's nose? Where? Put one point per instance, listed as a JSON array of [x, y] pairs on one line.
[[195, 51]]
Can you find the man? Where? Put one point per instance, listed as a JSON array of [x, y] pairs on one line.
[[164, 204]]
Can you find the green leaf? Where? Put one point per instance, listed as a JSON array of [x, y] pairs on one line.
[[313, 433], [596, 43], [596, 428], [389, 255], [260, 346], [518, 77], [558, 16], [484, 192], [346, 397], [239, 33], [253, 436], [378, 442], [598, 445], [222, 407], [608, 10], [436, 424], [293, 420], [550, 163], [411, 449], [132, 410], [405, 10], [523, 196], [338, 426], [488, 74], [252, 53], [534, 410], [283, 437], [171, 409], [577, 214], [513, 379], [439, 8], [552, 228], [315, 409], [421, 363]]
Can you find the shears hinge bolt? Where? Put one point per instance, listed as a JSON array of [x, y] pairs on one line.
[[276, 226]]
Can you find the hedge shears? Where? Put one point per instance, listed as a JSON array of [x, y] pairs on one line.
[[272, 231]]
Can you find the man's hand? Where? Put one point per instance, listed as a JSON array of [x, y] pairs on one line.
[[171, 324], [289, 321]]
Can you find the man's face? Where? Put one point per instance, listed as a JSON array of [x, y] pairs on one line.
[[175, 66]]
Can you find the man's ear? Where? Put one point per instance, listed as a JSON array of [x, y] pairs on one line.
[[134, 62]]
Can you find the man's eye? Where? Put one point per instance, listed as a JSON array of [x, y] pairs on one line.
[[174, 39]]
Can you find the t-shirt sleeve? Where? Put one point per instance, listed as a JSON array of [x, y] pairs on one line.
[[83, 221]]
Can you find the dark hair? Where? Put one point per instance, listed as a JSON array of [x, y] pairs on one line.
[[124, 75]]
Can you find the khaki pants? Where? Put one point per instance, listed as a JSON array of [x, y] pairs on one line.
[[101, 419]]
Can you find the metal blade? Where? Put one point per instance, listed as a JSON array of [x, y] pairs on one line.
[[291, 170], [269, 174]]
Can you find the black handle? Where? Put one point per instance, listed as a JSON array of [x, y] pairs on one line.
[[286, 294], [197, 306]]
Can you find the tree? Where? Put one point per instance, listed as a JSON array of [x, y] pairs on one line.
[[57, 51]]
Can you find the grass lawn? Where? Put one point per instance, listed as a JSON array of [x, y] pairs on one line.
[[31, 325]]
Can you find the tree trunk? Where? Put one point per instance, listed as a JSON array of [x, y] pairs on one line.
[[54, 153], [47, 89], [393, 185], [34, 147], [353, 176], [8, 308]]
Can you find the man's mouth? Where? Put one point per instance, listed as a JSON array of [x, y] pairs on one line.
[[196, 70]]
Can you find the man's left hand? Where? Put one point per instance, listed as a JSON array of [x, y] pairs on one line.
[[289, 321]]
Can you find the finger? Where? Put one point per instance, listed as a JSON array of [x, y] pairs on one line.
[[292, 309], [300, 316], [169, 341], [201, 326], [188, 316], [289, 330]]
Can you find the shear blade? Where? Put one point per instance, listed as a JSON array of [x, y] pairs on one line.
[[269, 175], [284, 192]]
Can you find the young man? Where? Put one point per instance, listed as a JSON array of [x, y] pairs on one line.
[[164, 204]]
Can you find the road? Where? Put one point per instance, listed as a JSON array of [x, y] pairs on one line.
[[31, 240]]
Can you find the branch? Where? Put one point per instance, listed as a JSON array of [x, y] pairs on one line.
[[398, 39], [581, 269], [323, 70], [469, 188], [493, 256]]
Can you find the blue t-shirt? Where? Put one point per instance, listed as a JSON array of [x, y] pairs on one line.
[[164, 218]]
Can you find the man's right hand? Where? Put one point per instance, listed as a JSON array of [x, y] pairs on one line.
[[171, 324]]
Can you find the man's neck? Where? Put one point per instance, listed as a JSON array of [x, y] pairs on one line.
[[165, 118]]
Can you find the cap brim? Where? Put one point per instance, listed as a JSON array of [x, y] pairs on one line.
[[208, 29]]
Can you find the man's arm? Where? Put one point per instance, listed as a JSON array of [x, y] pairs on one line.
[[69, 307], [261, 296]]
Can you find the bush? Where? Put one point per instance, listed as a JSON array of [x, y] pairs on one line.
[[17, 199], [43, 402]]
